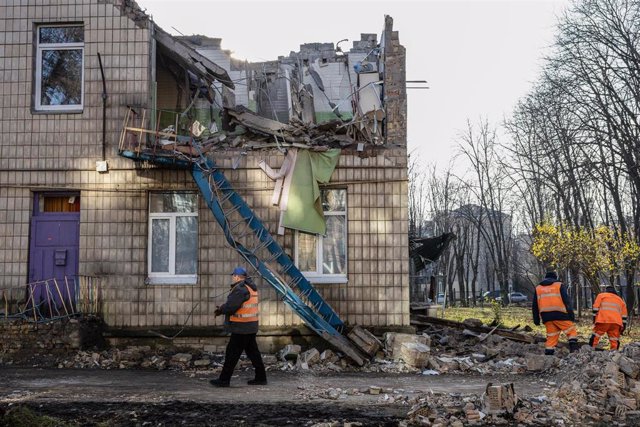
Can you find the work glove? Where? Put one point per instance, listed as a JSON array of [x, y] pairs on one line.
[[217, 312]]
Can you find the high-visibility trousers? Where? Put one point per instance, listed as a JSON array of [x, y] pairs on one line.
[[612, 330], [555, 328]]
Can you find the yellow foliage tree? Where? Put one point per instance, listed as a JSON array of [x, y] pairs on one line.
[[603, 250]]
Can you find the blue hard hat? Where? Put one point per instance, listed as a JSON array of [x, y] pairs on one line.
[[239, 271]]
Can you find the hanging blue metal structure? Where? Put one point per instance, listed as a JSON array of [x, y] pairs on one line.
[[225, 203]]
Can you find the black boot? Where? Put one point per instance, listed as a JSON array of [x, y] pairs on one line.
[[217, 382], [257, 381], [549, 351], [573, 346]]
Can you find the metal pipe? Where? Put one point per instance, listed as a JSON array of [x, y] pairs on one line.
[[104, 109]]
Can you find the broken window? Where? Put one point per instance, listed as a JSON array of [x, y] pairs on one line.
[[173, 237], [323, 259], [59, 79]]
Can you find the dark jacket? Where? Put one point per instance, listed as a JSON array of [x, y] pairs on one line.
[[237, 296], [553, 315]]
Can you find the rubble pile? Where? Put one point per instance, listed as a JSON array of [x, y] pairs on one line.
[[585, 388], [141, 357], [453, 350], [385, 395]]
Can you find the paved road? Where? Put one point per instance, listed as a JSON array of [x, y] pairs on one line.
[[77, 385], [117, 398]]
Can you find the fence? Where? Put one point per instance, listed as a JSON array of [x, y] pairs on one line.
[[52, 299]]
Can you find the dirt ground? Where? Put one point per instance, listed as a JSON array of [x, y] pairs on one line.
[[167, 398]]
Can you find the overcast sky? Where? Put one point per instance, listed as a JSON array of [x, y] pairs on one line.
[[479, 57]]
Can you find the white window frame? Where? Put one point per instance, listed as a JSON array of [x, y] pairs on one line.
[[318, 276], [40, 47], [168, 278]]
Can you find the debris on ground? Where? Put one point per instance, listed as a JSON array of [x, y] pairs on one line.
[[582, 388]]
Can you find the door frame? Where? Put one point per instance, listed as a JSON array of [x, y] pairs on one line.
[[35, 213]]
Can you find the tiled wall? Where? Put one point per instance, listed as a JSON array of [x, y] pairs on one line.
[[59, 151]]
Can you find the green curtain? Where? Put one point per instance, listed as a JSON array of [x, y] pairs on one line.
[[304, 206]]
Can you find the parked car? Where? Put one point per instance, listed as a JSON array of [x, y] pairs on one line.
[[492, 296], [440, 298], [517, 297]]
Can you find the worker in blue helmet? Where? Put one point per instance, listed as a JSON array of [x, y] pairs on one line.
[[241, 321]]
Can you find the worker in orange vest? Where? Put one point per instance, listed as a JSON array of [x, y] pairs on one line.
[[552, 305], [609, 317], [241, 320]]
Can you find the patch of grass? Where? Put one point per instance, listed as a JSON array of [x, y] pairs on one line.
[[511, 316], [21, 416]]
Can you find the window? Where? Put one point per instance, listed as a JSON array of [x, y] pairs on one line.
[[173, 238], [323, 259], [55, 203], [59, 80]]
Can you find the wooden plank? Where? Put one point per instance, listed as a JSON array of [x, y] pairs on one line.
[[420, 320]]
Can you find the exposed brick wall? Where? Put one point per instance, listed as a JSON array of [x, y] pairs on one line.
[[395, 91], [23, 337]]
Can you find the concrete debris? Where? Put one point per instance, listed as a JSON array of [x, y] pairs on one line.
[[393, 342], [499, 399], [583, 388], [289, 352], [328, 356], [310, 357], [415, 354], [181, 358], [587, 388]]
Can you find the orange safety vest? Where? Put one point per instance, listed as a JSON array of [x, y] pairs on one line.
[[248, 311], [550, 298], [609, 308]]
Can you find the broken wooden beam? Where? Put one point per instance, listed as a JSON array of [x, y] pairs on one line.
[[420, 320]]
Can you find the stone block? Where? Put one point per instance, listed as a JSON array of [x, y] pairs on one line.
[[415, 354], [209, 348], [181, 358], [374, 390], [499, 399], [537, 363], [310, 357], [393, 342], [629, 367], [328, 356], [611, 370]]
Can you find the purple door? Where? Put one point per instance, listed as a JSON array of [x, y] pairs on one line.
[[53, 252]]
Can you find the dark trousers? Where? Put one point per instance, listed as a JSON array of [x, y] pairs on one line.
[[237, 344]]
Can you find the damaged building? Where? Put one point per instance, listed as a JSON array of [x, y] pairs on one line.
[[114, 131]]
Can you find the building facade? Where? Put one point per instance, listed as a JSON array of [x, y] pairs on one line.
[[70, 206]]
